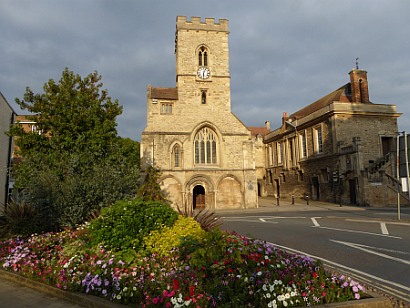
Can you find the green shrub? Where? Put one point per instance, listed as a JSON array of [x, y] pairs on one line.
[[126, 223], [18, 218], [216, 249], [162, 241]]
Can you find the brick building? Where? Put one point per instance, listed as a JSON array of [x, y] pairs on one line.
[[205, 153], [337, 149]]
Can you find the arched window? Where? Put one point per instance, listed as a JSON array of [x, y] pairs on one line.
[[203, 96], [203, 57], [205, 146], [176, 156]]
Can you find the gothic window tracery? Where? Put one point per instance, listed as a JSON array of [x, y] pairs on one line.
[[203, 56], [176, 156], [205, 146]]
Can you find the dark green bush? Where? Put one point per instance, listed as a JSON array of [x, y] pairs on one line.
[[126, 223], [18, 218]]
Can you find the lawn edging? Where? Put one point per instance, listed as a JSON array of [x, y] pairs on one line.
[[92, 301]]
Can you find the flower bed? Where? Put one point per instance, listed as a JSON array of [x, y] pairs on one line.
[[223, 269]]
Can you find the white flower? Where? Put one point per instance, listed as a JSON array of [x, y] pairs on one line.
[[285, 304], [264, 288], [287, 295], [268, 295], [281, 298]]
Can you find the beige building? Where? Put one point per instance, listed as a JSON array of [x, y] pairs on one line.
[[205, 153], [337, 149]]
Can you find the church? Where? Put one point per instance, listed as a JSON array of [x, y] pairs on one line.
[[206, 155], [338, 149]]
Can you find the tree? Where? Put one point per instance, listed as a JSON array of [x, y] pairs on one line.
[[77, 163]]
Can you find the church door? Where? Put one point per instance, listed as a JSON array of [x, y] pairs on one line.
[[199, 197]]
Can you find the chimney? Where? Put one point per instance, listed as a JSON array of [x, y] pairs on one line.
[[359, 86], [284, 117], [267, 125]]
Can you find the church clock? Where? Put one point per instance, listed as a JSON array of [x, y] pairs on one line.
[[203, 73]]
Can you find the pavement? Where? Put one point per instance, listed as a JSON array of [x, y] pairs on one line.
[[19, 292]]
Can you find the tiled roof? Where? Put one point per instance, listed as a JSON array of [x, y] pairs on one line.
[[164, 93], [340, 95], [255, 131]]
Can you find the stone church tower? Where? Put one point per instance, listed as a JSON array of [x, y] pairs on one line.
[[205, 153]]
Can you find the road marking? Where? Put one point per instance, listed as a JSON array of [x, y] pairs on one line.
[[316, 224], [384, 228], [359, 274], [261, 219], [361, 232], [377, 221], [239, 219], [364, 248], [385, 249]]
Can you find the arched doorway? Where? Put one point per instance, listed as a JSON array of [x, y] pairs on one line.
[[198, 197]]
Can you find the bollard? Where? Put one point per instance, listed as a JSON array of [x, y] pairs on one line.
[[277, 201], [307, 200], [293, 199]]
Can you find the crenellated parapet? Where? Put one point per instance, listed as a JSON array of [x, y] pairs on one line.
[[196, 24]]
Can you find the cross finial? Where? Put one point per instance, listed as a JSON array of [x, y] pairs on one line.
[[357, 63]]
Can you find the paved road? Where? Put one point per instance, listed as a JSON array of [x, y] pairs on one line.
[[369, 244]]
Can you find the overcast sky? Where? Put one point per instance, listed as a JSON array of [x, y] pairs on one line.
[[284, 55]]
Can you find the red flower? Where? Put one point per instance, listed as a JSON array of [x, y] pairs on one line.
[[315, 275], [176, 285], [191, 291]]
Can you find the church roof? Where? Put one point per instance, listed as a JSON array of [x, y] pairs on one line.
[[164, 93], [255, 131], [341, 94]]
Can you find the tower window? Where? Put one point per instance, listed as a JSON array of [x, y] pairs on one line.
[[166, 108], [203, 96], [203, 57]]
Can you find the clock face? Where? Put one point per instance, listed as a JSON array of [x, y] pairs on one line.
[[203, 72]]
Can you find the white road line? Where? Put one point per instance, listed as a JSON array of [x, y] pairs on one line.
[[384, 228], [361, 275], [361, 232], [363, 248], [240, 219], [261, 219], [316, 224], [266, 217], [377, 221]]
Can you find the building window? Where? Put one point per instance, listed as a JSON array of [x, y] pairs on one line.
[[205, 146], [279, 152], [292, 160], [176, 156], [318, 140], [203, 57], [300, 176], [166, 108], [203, 97], [324, 175], [270, 155], [303, 149]]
